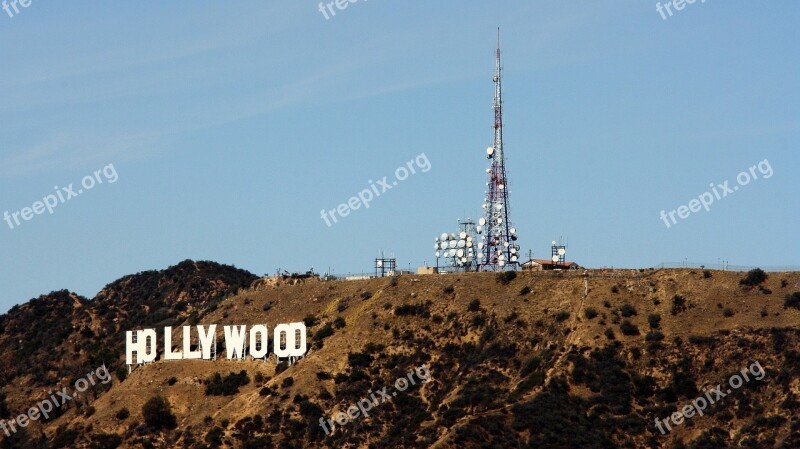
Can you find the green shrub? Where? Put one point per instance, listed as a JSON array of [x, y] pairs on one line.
[[562, 315], [678, 304], [627, 311], [754, 277], [506, 277], [475, 305], [229, 385], [792, 300], [158, 415], [628, 328], [655, 320], [123, 414], [590, 313]]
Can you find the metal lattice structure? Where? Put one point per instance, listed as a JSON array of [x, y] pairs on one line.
[[499, 248], [456, 252]]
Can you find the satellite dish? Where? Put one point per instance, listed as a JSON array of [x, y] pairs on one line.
[[436, 245], [489, 152], [452, 252], [513, 230], [452, 236], [555, 258], [513, 258], [554, 242], [482, 221], [501, 263], [380, 263], [501, 187], [480, 245], [501, 257], [462, 235], [460, 253], [514, 237], [443, 237], [437, 254], [512, 250], [505, 244], [463, 260], [488, 170], [478, 229], [561, 251], [499, 221], [452, 243], [462, 243], [498, 206]]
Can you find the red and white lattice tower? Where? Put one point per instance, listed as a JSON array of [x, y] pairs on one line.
[[499, 248]]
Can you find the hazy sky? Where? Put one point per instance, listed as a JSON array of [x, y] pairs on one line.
[[231, 125]]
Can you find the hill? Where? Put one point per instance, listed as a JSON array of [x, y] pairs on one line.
[[540, 359]]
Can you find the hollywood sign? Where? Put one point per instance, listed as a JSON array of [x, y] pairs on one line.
[[289, 342]]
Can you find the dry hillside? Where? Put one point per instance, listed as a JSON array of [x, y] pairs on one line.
[[546, 360]]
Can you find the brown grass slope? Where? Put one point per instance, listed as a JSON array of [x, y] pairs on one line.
[[545, 360]]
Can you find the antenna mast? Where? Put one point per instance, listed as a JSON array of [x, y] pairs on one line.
[[499, 237]]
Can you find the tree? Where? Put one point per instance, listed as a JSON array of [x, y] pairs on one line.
[[157, 414]]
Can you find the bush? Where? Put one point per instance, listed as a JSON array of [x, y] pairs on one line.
[[158, 415], [287, 382], [123, 414], [524, 290], [706, 274], [475, 304], [627, 311], [449, 290], [422, 310], [366, 295], [590, 313], [214, 436], [654, 336], [229, 385], [754, 277], [310, 321], [339, 323], [728, 312], [614, 289], [655, 320], [562, 315], [506, 277], [609, 333], [105, 441], [678, 304], [792, 300], [172, 381], [324, 332], [628, 328]]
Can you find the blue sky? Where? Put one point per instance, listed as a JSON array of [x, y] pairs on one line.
[[231, 125]]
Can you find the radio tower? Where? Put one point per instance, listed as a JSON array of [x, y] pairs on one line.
[[499, 237]]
